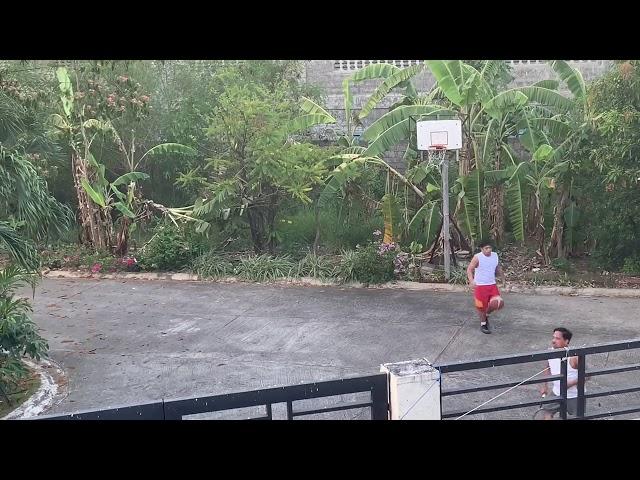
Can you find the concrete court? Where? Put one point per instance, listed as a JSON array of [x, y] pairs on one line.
[[130, 341]]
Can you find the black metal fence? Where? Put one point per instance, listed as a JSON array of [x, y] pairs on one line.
[[375, 385], [377, 388], [582, 353]]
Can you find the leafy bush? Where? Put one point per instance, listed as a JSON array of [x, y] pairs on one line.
[[458, 276], [212, 265], [317, 266], [632, 265], [171, 248], [18, 334], [99, 261], [373, 263], [64, 256], [562, 264], [297, 232], [345, 271], [264, 268]]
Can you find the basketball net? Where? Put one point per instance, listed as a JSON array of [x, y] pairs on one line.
[[437, 154]]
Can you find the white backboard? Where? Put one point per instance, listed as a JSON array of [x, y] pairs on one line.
[[439, 132]]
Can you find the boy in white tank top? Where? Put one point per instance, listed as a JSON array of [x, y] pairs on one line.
[[481, 273]]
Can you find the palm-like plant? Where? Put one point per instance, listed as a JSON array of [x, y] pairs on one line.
[[26, 208], [18, 334], [489, 117], [549, 120], [28, 213]]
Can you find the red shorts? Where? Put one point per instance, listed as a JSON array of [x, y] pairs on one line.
[[483, 294]]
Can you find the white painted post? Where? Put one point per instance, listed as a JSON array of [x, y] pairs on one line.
[[414, 390]]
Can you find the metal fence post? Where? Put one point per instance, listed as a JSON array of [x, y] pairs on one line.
[[582, 401], [563, 388], [380, 399]]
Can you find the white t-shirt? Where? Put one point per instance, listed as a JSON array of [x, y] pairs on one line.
[[485, 273], [572, 374]]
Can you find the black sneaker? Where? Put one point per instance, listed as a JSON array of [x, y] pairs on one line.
[[485, 328]]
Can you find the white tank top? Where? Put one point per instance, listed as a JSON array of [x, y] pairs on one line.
[[485, 273], [572, 374]]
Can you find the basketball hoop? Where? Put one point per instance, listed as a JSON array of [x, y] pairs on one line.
[[437, 154]]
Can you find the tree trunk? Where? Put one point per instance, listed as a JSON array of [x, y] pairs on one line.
[[122, 238], [256, 225], [466, 159], [532, 221], [495, 201], [556, 246], [261, 214], [540, 230], [95, 226]]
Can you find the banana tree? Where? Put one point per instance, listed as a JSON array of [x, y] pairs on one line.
[[445, 99], [108, 195], [575, 123], [534, 179], [398, 225], [561, 121], [489, 119], [390, 75], [72, 126]]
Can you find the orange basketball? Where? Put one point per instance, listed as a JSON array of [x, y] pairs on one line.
[[496, 303]]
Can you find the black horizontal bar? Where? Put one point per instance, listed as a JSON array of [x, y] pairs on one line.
[[612, 392], [501, 407], [460, 391], [341, 406], [612, 413], [536, 356], [605, 371], [148, 411], [189, 406]]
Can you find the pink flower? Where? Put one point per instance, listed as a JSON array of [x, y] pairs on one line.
[[386, 247], [129, 261], [96, 268]]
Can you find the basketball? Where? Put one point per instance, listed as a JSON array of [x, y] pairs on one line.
[[496, 303]]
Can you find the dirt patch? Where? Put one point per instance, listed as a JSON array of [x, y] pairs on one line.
[[525, 265]]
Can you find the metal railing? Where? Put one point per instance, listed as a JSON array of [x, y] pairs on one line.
[[583, 374], [176, 409]]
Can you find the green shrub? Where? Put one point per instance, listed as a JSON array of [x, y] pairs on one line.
[[264, 268], [171, 248], [212, 265], [632, 265], [562, 264], [78, 256], [345, 271], [99, 261], [317, 266], [297, 231], [18, 334], [368, 264], [458, 276]]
